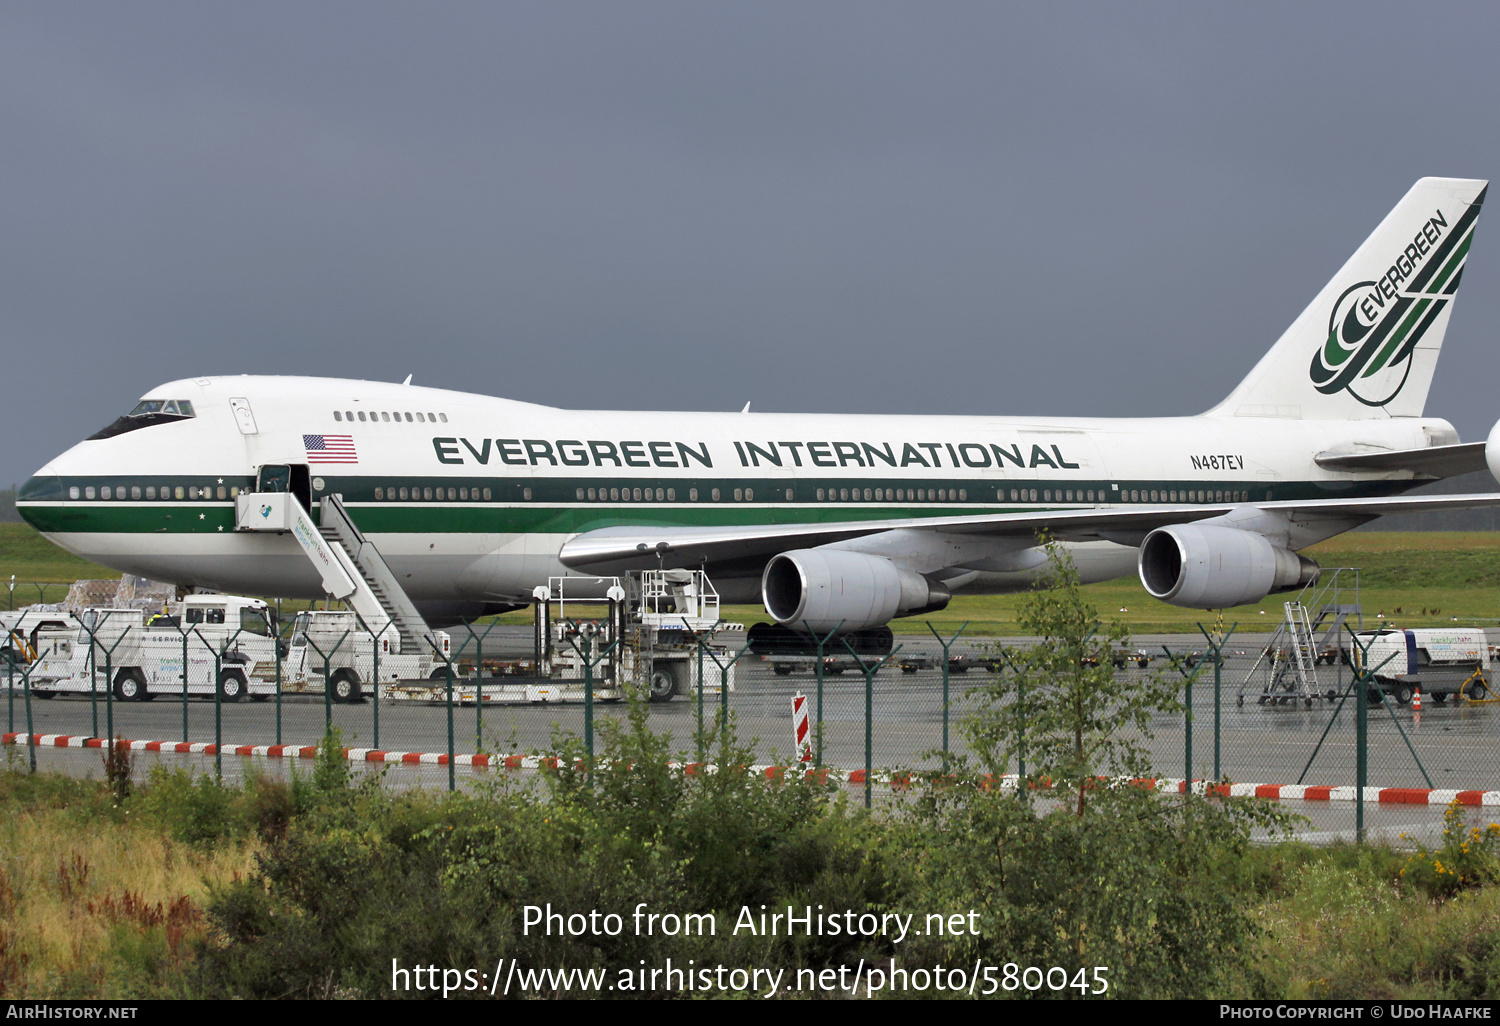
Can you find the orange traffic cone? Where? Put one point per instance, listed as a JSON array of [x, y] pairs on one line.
[[1416, 700]]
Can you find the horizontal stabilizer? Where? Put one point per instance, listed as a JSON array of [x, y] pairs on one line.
[[1432, 461]]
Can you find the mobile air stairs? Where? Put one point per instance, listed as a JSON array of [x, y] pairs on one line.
[[351, 568], [1286, 670]]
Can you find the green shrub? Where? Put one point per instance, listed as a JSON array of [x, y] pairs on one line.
[[197, 810], [1469, 857]]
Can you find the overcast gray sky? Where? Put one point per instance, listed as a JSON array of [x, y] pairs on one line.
[[1095, 209]]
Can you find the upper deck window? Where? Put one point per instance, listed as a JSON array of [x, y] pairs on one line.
[[146, 413]]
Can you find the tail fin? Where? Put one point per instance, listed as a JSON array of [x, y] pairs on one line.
[[1368, 344]]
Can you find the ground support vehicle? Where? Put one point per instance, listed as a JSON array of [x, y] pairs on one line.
[[917, 662], [334, 646], [640, 633], [833, 666], [228, 643], [1121, 656], [1443, 663]]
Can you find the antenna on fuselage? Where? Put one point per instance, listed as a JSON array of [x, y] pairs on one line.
[[746, 409], [407, 381]]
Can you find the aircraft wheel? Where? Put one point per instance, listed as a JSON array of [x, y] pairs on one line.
[[130, 686], [346, 687], [231, 686]]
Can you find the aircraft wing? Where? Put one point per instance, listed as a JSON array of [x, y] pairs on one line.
[[1435, 461], [614, 550]]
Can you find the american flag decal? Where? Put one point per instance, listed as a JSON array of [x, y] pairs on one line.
[[330, 448]]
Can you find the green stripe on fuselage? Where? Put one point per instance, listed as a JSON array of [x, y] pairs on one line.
[[215, 517]]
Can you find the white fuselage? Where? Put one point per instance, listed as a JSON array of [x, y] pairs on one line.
[[470, 498]]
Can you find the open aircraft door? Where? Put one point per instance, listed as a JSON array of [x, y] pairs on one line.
[[286, 477]]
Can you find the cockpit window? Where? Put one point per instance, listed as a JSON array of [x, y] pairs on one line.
[[146, 413]]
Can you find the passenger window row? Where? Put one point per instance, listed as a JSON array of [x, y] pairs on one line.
[[411, 494], [173, 492], [385, 417], [1126, 495]]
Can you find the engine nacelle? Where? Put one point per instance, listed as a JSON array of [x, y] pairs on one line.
[[821, 589], [1206, 567], [1492, 451]]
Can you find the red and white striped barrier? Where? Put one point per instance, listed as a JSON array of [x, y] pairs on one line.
[[897, 781], [799, 728]]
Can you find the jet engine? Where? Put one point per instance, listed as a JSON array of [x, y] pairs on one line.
[[1206, 567], [827, 589], [1492, 451]]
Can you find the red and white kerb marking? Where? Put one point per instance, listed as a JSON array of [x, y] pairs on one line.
[[799, 728], [897, 781]]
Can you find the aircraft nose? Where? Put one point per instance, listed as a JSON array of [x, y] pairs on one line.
[[41, 488]]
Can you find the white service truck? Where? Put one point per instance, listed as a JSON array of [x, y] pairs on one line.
[[1440, 661], [334, 644], [229, 644], [140, 655]]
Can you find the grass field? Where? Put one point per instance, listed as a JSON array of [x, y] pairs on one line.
[[1416, 579]]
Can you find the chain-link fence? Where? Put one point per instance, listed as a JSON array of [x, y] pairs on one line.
[[506, 689]]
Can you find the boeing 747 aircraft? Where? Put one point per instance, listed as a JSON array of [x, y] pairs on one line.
[[828, 520]]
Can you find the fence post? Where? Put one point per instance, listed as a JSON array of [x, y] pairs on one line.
[[12, 638], [818, 669], [1217, 647], [946, 645], [478, 640], [1015, 668], [1188, 679], [109, 695], [92, 632], [327, 658], [279, 657], [698, 687], [1361, 738], [375, 637], [869, 672], [698, 643], [589, 662], [193, 630], [30, 725], [94, 679], [375, 683], [448, 675], [218, 654], [185, 633], [723, 688]]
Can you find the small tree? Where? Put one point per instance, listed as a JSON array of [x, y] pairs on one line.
[[1062, 709]]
